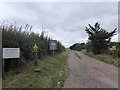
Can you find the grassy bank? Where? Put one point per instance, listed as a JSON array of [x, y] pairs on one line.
[[54, 71], [104, 58]]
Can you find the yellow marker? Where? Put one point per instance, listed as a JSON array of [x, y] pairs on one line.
[[114, 48], [35, 48]]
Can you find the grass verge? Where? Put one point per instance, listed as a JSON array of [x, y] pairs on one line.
[[54, 71], [104, 58]]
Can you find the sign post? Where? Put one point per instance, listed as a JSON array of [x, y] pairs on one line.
[[113, 50], [10, 53], [3, 69], [35, 50], [53, 46]]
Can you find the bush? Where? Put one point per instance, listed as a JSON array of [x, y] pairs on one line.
[[22, 37]]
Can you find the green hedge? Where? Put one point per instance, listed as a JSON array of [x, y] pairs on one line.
[[23, 38]]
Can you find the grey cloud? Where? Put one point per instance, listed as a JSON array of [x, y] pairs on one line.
[[65, 21]]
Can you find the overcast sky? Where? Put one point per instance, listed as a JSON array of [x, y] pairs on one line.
[[65, 22]]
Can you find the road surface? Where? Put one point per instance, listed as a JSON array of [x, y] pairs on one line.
[[86, 72]]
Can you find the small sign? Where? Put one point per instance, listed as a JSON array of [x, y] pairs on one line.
[[11, 53], [35, 48], [114, 48], [53, 45]]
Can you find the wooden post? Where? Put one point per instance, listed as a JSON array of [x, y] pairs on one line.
[[53, 52], [3, 70], [35, 50], [36, 58], [113, 53]]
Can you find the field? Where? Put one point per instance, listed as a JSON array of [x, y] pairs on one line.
[[54, 71]]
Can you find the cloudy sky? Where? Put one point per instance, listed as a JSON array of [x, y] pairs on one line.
[[64, 21]]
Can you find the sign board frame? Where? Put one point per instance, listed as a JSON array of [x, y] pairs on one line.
[[11, 53], [53, 45]]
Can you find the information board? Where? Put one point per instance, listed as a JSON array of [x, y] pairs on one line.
[[11, 53], [53, 45]]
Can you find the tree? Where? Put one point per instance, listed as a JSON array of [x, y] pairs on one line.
[[99, 37], [88, 46]]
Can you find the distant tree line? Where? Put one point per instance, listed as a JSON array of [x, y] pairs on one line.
[[22, 37], [78, 46]]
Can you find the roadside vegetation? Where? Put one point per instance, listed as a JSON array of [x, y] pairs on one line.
[[20, 73], [107, 58], [23, 37], [99, 45], [53, 73]]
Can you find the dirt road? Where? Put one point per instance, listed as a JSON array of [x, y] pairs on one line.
[[86, 72]]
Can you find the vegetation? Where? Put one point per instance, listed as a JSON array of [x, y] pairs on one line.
[[22, 37], [117, 44], [54, 71], [78, 46], [99, 45], [99, 38], [107, 58], [88, 46]]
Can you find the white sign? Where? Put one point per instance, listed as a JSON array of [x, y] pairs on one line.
[[11, 53]]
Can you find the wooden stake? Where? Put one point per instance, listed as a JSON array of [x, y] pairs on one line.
[[36, 58]]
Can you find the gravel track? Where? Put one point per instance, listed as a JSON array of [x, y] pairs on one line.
[[87, 72]]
